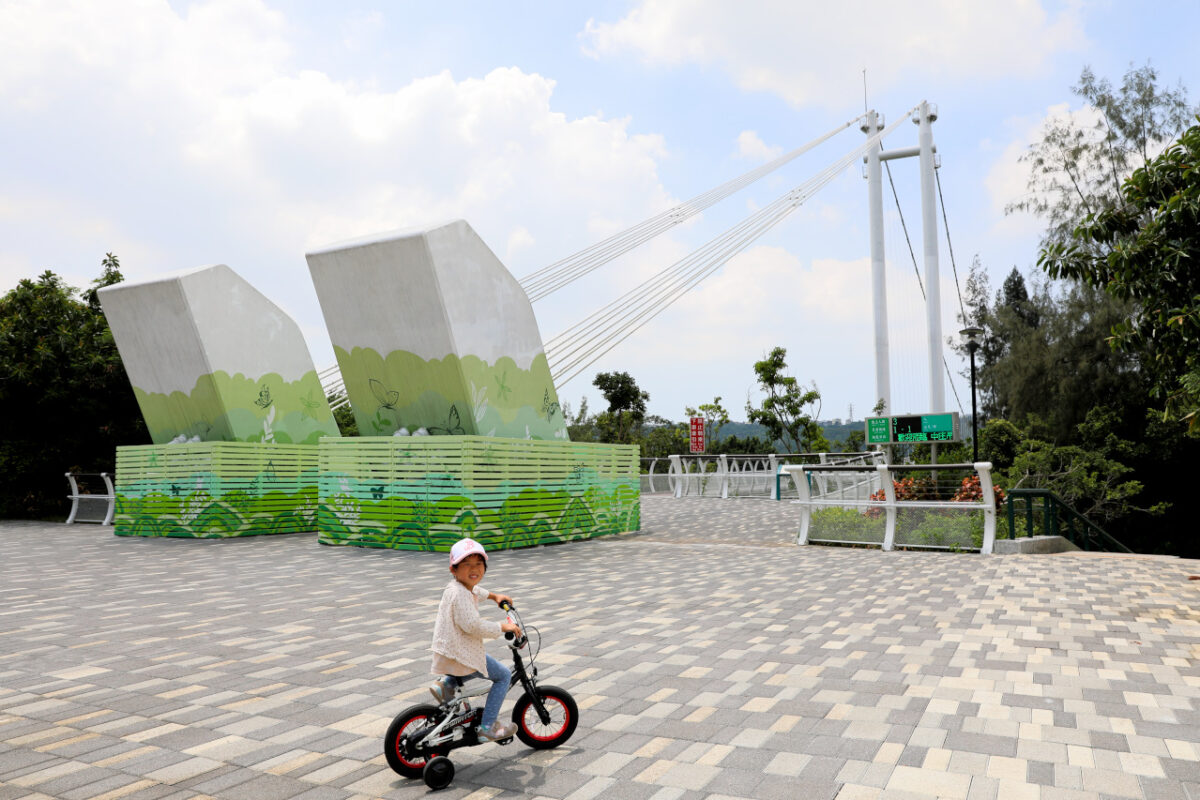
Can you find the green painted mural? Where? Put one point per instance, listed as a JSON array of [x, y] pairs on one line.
[[221, 407], [216, 490], [451, 395], [426, 493]]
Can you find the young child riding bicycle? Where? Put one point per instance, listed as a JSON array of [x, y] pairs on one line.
[[458, 635]]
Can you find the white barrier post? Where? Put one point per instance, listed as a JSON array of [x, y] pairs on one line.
[[112, 502], [723, 471], [74, 498], [774, 487], [796, 471], [984, 468], [675, 480], [889, 492]]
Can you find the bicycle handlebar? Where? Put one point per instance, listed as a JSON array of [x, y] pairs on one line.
[[509, 635]]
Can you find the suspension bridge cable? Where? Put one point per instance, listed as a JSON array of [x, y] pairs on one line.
[[573, 350], [957, 288], [917, 272], [550, 279], [953, 388], [950, 245], [672, 278], [666, 275], [903, 226], [585, 348], [637, 312]]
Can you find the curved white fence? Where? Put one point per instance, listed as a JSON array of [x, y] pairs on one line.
[[927, 523], [759, 475]]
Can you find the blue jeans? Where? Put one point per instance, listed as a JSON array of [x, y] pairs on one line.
[[501, 677]]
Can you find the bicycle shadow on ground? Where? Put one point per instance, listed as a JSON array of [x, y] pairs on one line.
[[518, 772]]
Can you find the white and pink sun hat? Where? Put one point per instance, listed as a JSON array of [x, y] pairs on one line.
[[466, 547]]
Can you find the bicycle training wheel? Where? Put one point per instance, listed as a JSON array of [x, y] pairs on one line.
[[399, 757]]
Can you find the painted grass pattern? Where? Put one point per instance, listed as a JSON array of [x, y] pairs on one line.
[[427, 493], [216, 489], [413, 493]]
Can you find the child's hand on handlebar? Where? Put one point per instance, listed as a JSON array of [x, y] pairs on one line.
[[501, 599], [510, 627]]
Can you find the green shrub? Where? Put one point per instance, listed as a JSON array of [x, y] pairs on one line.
[[847, 525]]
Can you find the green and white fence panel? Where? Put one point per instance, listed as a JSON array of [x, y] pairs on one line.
[[216, 489], [916, 506], [425, 493]]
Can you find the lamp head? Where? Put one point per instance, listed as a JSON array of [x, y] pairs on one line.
[[972, 335]]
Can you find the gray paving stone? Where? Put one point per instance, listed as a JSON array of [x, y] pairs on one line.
[[758, 650], [218, 780], [323, 793], [1040, 772], [59, 787], [1162, 789]]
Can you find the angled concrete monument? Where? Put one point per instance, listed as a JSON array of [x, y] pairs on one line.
[[211, 357], [432, 331]]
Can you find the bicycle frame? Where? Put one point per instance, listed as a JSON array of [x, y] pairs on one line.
[[452, 731]]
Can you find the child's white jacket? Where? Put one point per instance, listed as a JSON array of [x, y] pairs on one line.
[[459, 631]]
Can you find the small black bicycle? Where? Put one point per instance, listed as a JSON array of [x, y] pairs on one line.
[[417, 741]]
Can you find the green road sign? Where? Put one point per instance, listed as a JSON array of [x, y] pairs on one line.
[[930, 428], [879, 430]]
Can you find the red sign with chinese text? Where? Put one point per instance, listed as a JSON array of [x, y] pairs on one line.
[[697, 434]]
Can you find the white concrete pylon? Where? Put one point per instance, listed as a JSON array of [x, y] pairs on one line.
[[929, 232], [431, 331], [883, 381]]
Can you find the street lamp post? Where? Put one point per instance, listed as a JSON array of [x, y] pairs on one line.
[[972, 335]]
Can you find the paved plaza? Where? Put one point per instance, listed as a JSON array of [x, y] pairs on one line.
[[711, 658]]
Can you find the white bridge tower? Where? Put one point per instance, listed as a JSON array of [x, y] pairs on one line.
[[923, 118]]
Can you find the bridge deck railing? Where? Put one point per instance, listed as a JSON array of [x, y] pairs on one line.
[[745, 475], [88, 505], [917, 506], [1057, 518]]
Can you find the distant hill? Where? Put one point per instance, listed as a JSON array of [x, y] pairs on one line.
[[835, 430]]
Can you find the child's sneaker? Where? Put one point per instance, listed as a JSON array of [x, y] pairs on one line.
[[499, 730], [441, 690]]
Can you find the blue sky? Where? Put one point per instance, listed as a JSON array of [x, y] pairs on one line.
[[245, 132]]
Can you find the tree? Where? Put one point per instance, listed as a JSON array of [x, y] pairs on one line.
[[1076, 172], [581, 427], [782, 411], [67, 401], [747, 445], [1092, 476], [626, 406], [1151, 258], [343, 415], [622, 392], [662, 438], [714, 418], [1043, 354]]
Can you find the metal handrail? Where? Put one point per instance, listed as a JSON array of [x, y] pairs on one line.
[[890, 504], [1052, 504], [696, 470], [109, 498]]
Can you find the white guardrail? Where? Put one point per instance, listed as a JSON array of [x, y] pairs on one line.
[[100, 506], [756, 475], [812, 481]]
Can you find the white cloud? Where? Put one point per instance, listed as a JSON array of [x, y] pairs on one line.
[[519, 239], [363, 30], [179, 139], [1006, 181], [749, 145], [814, 53]]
